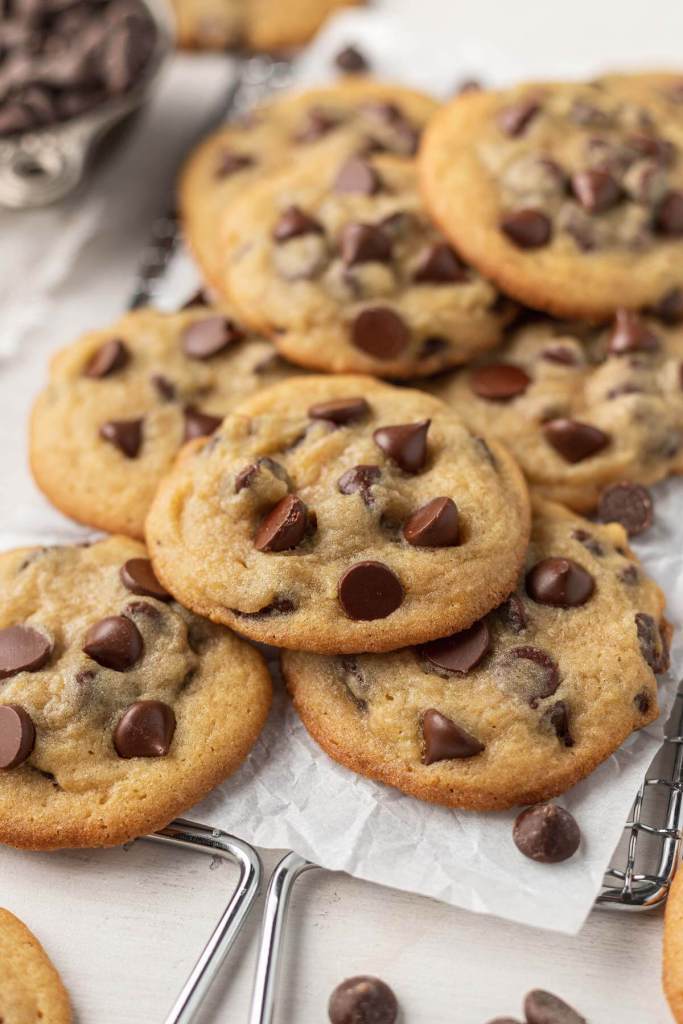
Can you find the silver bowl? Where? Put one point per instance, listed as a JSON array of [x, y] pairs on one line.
[[41, 166]]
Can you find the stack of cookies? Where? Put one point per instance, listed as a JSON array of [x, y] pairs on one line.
[[450, 623]]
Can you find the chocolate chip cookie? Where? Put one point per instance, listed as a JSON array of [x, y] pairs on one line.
[[252, 24], [122, 400], [673, 949], [569, 196], [382, 116], [580, 407], [341, 514], [339, 262], [509, 711], [30, 987], [119, 708]]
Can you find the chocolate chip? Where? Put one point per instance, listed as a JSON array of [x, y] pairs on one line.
[[596, 190], [468, 85], [370, 590], [284, 526], [513, 614], [499, 382], [516, 118], [138, 576], [527, 228], [199, 424], [145, 729], [280, 606], [652, 645], [544, 1008], [590, 542], [364, 243], [545, 681], [669, 309], [558, 718], [439, 264], [574, 440], [643, 702], [164, 387], [246, 476], [547, 834], [22, 649], [560, 354], [380, 332], [126, 435], [362, 1000], [340, 410], [435, 525], [351, 60], [628, 504], [317, 124], [628, 575], [433, 346], [444, 740], [295, 222], [406, 444], [17, 735], [461, 651], [630, 334], [109, 357], [231, 163], [559, 582], [669, 215], [198, 298], [206, 338], [357, 176], [359, 479], [114, 642]]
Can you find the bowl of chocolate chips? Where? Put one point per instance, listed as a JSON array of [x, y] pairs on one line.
[[70, 70]]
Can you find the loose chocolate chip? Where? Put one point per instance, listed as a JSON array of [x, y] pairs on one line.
[[357, 176], [516, 118], [231, 163], [548, 834], [435, 525], [406, 444], [199, 424], [596, 190], [669, 215], [126, 435], [109, 357], [669, 309], [380, 332], [295, 222], [590, 542], [513, 614], [544, 1008], [628, 504], [138, 576], [206, 338], [370, 590], [631, 334], [284, 526], [643, 702], [499, 382], [114, 642], [545, 681], [527, 228], [22, 649], [438, 264], [461, 651], [652, 645], [559, 582], [444, 740], [362, 1000], [560, 354], [351, 60], [340, 410], [574, 440], [17, 735], [359, 479], [558, 717], [164, 387], [468, 85], [145, 729], [364, 243]]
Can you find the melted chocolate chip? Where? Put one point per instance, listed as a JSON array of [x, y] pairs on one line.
[[284, 527], [359, 479], [527, 228], [596, 190], [559, 582], [370, 590], [22, 649], [628, 504], [109, 357], [138, 576], [631, 334], [340, 410], [499, 382], [126, 435], [558, 719], [516, 118], [544, 680], [279, 606], [574, 440], [362, 1000], [547, 834], [461, 651], [443, 740], [17, 736], [364, 243], [513, 613], [163, 387], [295, 222], [406, 445], [590, 542], [199, 424], [669, 215], [439, 264], [246, 476], [318, 123], [543, 1007], [652, 645], [435, 525], [114, 642], [357, 176], [206, 338], [145, 729], [643, 702], [231, 163], [380, 332]]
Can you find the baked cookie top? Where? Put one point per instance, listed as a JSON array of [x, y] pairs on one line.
[[510, 711], [119, 708], [290, 130], [580, 407], [30, 987], [340, 514], [121, 401], [569, 196], [339, 261]]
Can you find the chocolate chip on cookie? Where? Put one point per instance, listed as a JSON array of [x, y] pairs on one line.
[[203, 339], [340, 410], [138, 576], [574, 440], [380, 332], [435, 525], [145, 729], [17, 735], [359, 479], [527, 228], [126, 435], [22, 649], [406, 445], [284, 527], [357, 175], [370, 590], [560, 582], [109, 357], [444, 740], [547, 834], [295, 222], [460, 652], [114, 642], [439, 264], [631, 334], [199, 424], [499, 382]]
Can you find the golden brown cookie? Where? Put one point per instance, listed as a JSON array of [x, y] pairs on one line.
[[119, 708], [673, 948], [569, 196], [122, 400], [340, 514], [509, 711], [31, 990]]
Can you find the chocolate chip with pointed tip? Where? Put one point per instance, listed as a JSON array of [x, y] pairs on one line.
[[574, 440], [145, 729], [461, 651], [548, 834], [340, 410], [443, 740], [357, 176], [205, 338], [370, 590], [22, 649], [17, 736], [230, 163], [198, 298], [516, 118], [380, 332], [295, 222], [543, 1007], [434, 525], [198, 423], [351, 60], [628, 504], [596, 190], [499, 382], [114, 642], [364, 243], [284, 526], [362, 1000], [630, 334], [559, 582], [669, 215], [138, 576], [439, 264], [558, 719], [527, 228], [126, 435], [405, 444], [652, 644], [359, 479], [109, 357]]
